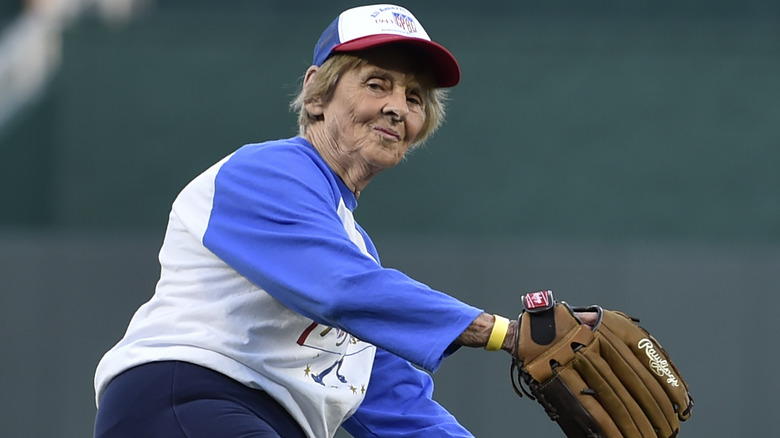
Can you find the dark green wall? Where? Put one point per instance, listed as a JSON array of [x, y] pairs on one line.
[[630, 123]]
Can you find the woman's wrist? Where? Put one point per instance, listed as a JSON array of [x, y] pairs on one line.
[[497, 333], [479, 332]]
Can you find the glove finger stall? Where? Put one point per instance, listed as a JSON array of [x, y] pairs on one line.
[[653, 358]]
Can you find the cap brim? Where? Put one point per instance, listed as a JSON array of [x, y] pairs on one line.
[[446, 68]]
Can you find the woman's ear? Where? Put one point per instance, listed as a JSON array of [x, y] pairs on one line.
[[313, 106]]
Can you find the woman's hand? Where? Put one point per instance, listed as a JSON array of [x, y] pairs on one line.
[[588, 318]]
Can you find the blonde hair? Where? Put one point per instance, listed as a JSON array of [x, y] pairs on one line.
[[324, 85]]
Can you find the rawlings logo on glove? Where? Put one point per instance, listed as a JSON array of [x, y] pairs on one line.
[[658, 363]]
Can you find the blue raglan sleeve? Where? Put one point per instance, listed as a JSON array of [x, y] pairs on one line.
[[398, 403], [274, 219]]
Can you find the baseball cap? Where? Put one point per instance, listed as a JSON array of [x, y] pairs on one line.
[[369, 26]]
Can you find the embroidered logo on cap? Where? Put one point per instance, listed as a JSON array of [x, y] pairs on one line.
[[405, 22]]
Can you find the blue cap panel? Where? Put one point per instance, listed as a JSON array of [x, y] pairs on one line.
[[328, 40]]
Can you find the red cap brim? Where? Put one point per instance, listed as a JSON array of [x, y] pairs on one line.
[[446, 68]]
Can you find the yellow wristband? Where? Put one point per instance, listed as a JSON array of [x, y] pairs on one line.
[[498, 334]]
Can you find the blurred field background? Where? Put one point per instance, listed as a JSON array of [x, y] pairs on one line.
[[620, 153]]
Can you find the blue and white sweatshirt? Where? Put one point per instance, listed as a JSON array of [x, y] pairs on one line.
[[267, 278]]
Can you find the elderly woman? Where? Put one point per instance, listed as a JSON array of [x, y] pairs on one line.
[[273, 316]]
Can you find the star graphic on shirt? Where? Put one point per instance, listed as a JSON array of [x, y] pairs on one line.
[[353, 388], [307, 370], [362, 389]]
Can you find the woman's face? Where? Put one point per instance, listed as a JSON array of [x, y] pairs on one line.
[[376, 112]]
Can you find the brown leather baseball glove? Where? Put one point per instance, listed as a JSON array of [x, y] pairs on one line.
[[610, 380]]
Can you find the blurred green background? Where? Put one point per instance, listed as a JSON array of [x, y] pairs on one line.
[[623, 153]]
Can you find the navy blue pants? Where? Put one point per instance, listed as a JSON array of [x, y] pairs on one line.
[[182, 400]]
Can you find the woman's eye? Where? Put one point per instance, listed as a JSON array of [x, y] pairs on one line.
[[414, 100], [375, 86]]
